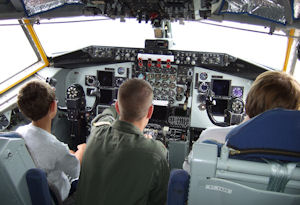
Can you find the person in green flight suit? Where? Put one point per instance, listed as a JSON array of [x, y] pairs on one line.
[[120, 164]]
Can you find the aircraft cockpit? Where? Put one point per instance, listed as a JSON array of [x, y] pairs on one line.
[[200, 76]]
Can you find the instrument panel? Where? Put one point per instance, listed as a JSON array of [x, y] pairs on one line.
[[190, 88], [181, 89]]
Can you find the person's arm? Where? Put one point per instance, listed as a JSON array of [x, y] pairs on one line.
[[108, 116], [67, 162]]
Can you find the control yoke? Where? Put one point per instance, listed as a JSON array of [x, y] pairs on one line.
[[233, 115]]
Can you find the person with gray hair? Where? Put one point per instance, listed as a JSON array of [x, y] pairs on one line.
[[121, 165]]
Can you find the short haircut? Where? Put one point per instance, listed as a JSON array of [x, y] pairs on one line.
[[35, 98], [135, 97], [273, 89]]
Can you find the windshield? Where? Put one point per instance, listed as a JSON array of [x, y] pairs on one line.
[[256, 45], [16, 52]]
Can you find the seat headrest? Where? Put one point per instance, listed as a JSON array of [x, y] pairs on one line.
[[274, 134]]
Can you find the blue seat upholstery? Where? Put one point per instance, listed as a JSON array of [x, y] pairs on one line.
[[178, 187], [38, 187], [273, 135]]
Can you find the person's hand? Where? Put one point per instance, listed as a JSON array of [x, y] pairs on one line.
[[81, 147], [79, 153], [148, 136]]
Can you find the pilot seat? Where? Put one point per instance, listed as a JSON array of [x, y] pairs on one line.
[[21, 182], [257, 165]]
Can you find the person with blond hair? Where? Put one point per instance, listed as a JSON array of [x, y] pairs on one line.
[[37, 102], [121, 165]]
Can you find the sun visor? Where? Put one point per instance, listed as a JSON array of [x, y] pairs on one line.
[[272, 10], [33, 7]]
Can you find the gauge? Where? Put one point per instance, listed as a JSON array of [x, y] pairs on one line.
[[237, 92], [172, 85], [165, 85], [150, 76], [171, 93], [237, 106], [151, 83], [203, 76], [164, 92], [90, 80], [165, 77], [156, 91], [121, 70], [179, 97], [157, 76], [203, 88], [179, 90], [119, 81], [172, 78], [157, 84], [4, 120]]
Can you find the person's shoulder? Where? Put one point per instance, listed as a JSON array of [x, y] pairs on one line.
[[22, 129], [215, 133], [155, 147], [211, 130]]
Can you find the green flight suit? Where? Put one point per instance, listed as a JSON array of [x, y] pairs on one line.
[[120, 166]]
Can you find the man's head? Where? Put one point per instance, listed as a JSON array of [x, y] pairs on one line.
[[35, 99], [134, 99], [273, 89]]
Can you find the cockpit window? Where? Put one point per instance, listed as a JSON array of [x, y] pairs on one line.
[[16, 52], [252, 43]]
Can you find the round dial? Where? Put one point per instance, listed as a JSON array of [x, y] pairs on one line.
[[172, 78], [157, 84], [164, 77], [203, 76], [119, 81], [172, 85], [203, 87], [157, 76], [150, 76], [121, 70], [237, 106], [171, 93], [156, 91], [179, 90]]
